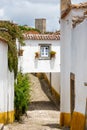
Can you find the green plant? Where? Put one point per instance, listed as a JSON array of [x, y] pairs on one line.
[[26, 29], [10, 31], [22, 95]]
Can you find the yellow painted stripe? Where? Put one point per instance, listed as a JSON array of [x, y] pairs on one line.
[[7, 117], [78, 121], [65, 119]]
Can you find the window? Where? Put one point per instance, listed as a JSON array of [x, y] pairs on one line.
[[44, 51]]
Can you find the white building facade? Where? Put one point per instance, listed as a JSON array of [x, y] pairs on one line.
[[36, 55], [73, 65], [6, 86], [37, 58]]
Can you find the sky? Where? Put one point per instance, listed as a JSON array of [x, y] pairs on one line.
[[24, 12]]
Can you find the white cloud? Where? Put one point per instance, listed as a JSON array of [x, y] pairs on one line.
[[25, 11], [1, 12], [45, 1]]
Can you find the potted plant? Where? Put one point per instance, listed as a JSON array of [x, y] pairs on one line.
[[52, 54], [20, 52], [36, 55]]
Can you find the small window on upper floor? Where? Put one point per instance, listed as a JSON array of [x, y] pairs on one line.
[[45, 51]]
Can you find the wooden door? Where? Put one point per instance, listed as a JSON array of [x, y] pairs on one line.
[[86, 116], [72, 93]]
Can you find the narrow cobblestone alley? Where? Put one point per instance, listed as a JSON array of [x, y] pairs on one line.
[[42, 113]]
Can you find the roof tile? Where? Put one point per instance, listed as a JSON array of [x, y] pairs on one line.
[[41, 37]]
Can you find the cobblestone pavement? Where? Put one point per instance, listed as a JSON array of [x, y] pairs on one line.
[[42, 113]]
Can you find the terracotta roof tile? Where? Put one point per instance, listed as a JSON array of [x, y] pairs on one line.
[[73, 6], [41, 37], [65, 7], [76, 20], [85, 13], [81, 5]]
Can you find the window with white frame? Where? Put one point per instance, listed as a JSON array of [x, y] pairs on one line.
[[44, 51]]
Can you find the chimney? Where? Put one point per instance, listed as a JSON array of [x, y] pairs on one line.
[[40, 24]]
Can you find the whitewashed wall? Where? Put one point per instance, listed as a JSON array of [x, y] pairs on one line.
[[79, 65], [29, 63], [78, 11], [73, 59], [3, 76], [55, 80], [6, 81], [10, 92], [66, 33]]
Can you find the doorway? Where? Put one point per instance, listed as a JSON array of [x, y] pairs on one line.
[[72, 91]]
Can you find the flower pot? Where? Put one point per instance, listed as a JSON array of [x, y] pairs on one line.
[[36, 55], [20, 53], [52, 54]]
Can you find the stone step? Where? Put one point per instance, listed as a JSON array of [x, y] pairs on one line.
[[5, 127], [1, 126]]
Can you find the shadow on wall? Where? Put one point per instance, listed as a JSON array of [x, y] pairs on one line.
[[52, 63], [49, 92]]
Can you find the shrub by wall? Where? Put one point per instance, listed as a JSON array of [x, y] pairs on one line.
[[22, 95]]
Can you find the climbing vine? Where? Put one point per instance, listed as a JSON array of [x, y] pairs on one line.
[[10, 32]]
